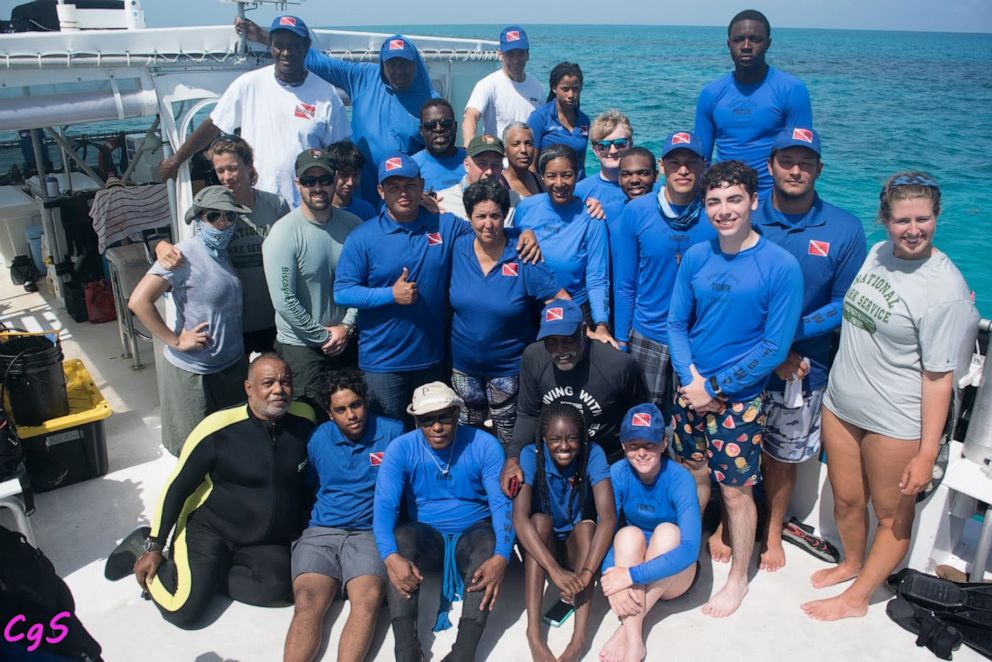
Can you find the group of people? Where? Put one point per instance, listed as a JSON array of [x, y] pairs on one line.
[[485, 345]]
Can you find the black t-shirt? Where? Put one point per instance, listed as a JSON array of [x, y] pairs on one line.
[[605, 384]]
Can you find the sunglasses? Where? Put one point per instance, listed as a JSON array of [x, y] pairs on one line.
[[432, 125], [619, 143], [443, 419], [323, 180], [212, 216]]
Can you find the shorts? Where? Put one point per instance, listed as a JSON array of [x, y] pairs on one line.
[[730, 441], [337, 553], [792, 435], [652, 357]]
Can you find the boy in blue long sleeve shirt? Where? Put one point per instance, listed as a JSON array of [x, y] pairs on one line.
[[829, 244], [732, 318], [459, 521]]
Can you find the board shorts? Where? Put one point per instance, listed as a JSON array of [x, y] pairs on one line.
[[730, 441], [337, 553], [653, 359], [792, 435]]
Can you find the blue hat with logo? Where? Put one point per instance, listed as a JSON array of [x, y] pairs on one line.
[[292, 24], [561, 317], [798, 136], [513, 38], [397, 46], [398, 165], [643, 423], [682, 140]]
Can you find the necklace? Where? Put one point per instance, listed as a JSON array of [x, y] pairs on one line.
[[447, 466]]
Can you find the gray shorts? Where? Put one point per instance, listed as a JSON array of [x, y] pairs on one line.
[[336, 553], [792, 435]]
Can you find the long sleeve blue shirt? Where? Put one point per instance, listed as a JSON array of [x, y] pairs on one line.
[[414, 472], [672, 499], [734, 316], [829, 244]]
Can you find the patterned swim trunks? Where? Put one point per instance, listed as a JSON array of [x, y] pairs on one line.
[[729, 441]]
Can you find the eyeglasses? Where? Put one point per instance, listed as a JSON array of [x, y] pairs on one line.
[[619, 143], [443, 419], [323, 180], [432, 125], [212, 216]]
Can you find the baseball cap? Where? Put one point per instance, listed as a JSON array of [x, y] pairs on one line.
[[398, 165], [432, 397], [682, 140], [513, 38], [214, 197], [314, 158], [561, 317], [797, 136], [643, 423], [292, 24], [397, 46], [485, 143]]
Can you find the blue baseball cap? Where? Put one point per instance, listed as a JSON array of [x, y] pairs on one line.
[[513, 38], [643, 423], [682, 140], [398, 165], [292, 24], [397, 46], [561, 317], [797, 136]]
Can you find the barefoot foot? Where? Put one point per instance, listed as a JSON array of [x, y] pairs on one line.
[[835, 575], [720, 546], [636, 653], [836, 608], [616, 648], [573, 651], [727, 601], [772, 556], [539, 650]]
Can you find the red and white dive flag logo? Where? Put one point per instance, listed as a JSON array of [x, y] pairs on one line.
[[375, 459], [513, 35], [394, 163], [641, 420], [819, 248], [305, 111], [287, 20], [510, 269], [434, 239], [554, 314], [802, 134], [396, 44], [681, 138]]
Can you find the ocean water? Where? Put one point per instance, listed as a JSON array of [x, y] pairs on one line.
[[882, 102]]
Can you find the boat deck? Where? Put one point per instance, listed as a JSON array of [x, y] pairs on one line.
[[78, 525]]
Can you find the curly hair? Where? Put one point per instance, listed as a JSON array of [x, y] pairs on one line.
[[730, 173], [339, 380]]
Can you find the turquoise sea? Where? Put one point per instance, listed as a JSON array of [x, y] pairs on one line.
[[882, 102]]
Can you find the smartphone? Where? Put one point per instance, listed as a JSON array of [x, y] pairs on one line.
[[514, 487], [558, 614]]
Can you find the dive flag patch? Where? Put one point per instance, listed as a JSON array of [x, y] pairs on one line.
[[434, 239], [681, 138], [554, 314], [375, 459], [819, 248], [305, 111], [511, 269], [641, 420], [287, 20], [513, 35], [394, 163], [396, 44], [804, 135]]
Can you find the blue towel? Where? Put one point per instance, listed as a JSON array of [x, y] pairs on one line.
[[452, 585]]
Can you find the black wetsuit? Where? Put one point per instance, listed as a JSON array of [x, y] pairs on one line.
[[237, 499]]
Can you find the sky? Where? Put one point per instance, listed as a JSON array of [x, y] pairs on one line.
[[916, 15]]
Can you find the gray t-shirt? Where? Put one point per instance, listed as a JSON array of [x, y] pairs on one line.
[[245, 253], [901, 317], [300, 261], [205, 290]]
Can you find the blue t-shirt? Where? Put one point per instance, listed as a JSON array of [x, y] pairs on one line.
[[647, 251], [575, 247], [829, 244], [395, 338], [439, 174], [672, 499], [346, 471], [548, 130], [734, 316], [360, 208], [744, 120], [383, 121], [494, 313], [451, 503], [559, 484]]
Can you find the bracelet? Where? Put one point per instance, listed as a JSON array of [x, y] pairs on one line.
[[586, 570]]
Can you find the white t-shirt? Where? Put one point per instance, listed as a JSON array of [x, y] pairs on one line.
[[502, 100], [280, 121]]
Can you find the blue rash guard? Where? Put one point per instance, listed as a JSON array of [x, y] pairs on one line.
[[744, 120], [734, 316], [610, 195], [559, 485], [575, 247], [829, 244], [548, 130], [439, 174], [346, 471], [494, 320], [395, 338], [360, 208], [470, 493], [672, 498], [648, 248], [383, 121]]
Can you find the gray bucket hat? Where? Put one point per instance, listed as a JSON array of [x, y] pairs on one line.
[[214, 197]]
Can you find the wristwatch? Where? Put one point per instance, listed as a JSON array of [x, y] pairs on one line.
[[717, 391], [152, 546]]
